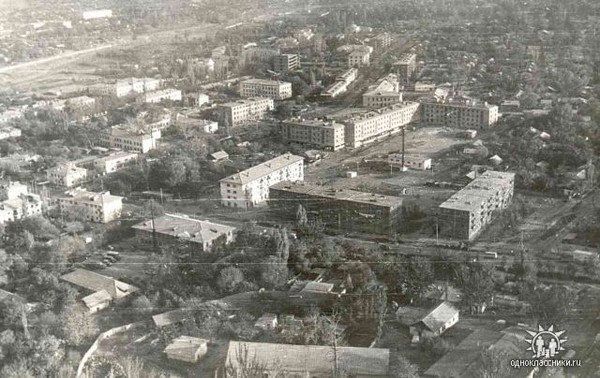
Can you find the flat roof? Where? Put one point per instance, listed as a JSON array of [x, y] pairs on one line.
[[265, 82], [381, 111], [314, 123], [478, 191], [263, 169], [349, 195], [406, 58], [84, 196], [245, 101]]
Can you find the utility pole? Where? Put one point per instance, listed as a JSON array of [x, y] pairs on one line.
[[403, 145], [154, 241]]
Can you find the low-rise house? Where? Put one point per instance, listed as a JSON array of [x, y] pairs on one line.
[[267, 322], [219, 156], [410, 161], [177, 228], [67, 175], [426, 324], [97, 301], [98, 283], [318, 287], [94, 207], [115, 162], [169, 94], [308, 361], [186, 349]]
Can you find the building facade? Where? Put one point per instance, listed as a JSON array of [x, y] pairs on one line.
[[251, 187], [131, 140], [464, 215], [406, 66], [410, 161], [67, 175], [359, 58], [385, 92], [339, 209], [319, 134], [123, 88], [17, 203], [380, 123], [286, 62], [115, 162], [341, 83], [276, 90], [169, 94], [459, 113], [94, 207], [250, 109]]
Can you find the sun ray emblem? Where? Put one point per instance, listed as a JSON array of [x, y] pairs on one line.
[[546, 343]]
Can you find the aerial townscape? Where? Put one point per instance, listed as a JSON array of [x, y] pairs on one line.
[[299, 188]]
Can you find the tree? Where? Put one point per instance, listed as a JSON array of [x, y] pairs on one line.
[[493, 364], [416, 274], [550, 304], [301, 216], [401, 367], [274, 272], [477, 285], [78, 326], [229, 279], [244, 365]]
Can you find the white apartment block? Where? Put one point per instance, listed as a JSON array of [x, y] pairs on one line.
[[9, 132], [463, 113], [131, 140], [24, 206], [385, 92], [94, 207], [169, 94], [464, 215], [67, 175], [359, 58], [406, 66], [11, 190], [126, 87], [250, 109], [314, 133], [286, 62], [277, 90], [114, 162], [251, 187], [341, 84], [380, 123]]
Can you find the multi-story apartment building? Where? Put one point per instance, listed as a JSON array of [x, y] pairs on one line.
[[123, 88], [340, 209], [406, 66], [17, 203], [341, 83], [464, 215], [277, 90], [175, 229], [359, 57], [94, 207], [286, 62], [380, 123], [169, 94], [131, 140], [381, 41], [114, 162], [385, 92], [459, 113], [320, 134], [250, 109], [251, 187], [67, 174]]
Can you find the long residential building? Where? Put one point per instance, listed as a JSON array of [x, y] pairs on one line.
[[126, 87], [131, 140], [172, 229], [114, 162], [383, 93], [251, 187], [94, 207], [274, 89], [169, 94], [340, 209], [250, 109], [464, 215], [324, 135], [459, 113], [341, 83], [380, 123]]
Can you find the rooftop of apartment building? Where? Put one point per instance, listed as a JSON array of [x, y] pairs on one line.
[[245, 101], [264, 82], [263, 169], [359, 116], [314, 123], [339, 194], [406, 58], [458, 101], [478, 191], [83, 196]]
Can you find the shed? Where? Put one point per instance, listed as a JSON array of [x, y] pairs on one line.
[[219, 156], [351, 174], [187, 349], [97, 301]]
